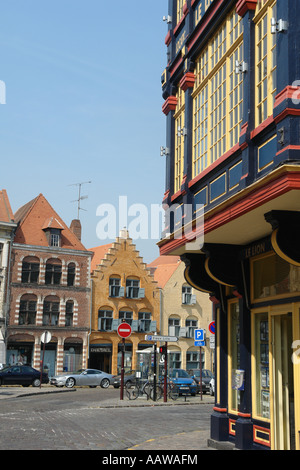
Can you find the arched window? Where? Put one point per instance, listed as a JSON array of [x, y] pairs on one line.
[[105, 318], [69, 313], [126, 315], [191, 325], [144, 321], [27, 314], [30, 269], [51, 311], [53, 271], [71, 274]]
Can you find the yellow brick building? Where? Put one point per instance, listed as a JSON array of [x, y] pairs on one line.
[[122, 289], [182, 310]]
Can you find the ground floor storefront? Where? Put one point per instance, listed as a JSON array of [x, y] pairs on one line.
[[64, 352], [256, 296]]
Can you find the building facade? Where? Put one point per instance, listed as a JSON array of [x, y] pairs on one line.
[[231, 100], [50, 291], [7, 230], [122, 290], [183, 309]]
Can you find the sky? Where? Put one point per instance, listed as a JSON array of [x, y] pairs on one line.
[[83, 103]]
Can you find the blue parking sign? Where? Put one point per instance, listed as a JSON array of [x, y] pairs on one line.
[[199, 335]]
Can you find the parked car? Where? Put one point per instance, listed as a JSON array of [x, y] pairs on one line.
[[22, 375], [82, 377], [129, 377], [206, 378], [212, 386], [185, 383]]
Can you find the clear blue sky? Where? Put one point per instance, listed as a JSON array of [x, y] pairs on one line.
[[83, 103]]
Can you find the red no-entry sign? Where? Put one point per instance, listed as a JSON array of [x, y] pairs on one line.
[[124, 330]]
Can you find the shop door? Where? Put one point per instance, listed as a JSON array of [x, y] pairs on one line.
[[283, 419]]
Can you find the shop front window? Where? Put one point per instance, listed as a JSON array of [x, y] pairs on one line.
[[72, 357], [127, 357], [234, 354], [273, 277], [261, 394]]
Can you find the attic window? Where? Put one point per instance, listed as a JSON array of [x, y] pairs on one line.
[[52, 228], [54, 237]]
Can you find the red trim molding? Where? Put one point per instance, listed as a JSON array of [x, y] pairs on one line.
[[288, 92], [169, 105], [243, 6], [262, 436], [277, 186], [187, 81], [168, 38], [220, 410]]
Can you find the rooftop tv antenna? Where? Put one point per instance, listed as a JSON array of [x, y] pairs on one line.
[[80, 198]]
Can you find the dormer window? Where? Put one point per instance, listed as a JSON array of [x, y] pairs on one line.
[[52, 228], [54, 237]]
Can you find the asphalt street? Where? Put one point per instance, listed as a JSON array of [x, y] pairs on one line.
[[96, 419]]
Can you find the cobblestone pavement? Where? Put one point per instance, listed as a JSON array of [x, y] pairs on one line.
[[95, 419]]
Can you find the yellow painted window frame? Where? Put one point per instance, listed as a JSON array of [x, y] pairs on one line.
[[265, 61], [231, 392], [215, 129], [295, 357], [179, 139], [180, 4], [254, 380]]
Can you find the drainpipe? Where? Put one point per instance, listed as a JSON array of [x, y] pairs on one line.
[[7, 293], [160, 310], [90, 332]]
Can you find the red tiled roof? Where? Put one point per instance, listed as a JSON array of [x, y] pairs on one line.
[[32, 218], [6, 214], [163, 267], [98, 254]]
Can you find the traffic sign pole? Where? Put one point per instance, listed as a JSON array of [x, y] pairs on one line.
[[124, 331], [166, 372], [122, 370], [201, 372], [154, 376]]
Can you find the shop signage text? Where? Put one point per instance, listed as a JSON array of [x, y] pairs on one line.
[[202, 7]]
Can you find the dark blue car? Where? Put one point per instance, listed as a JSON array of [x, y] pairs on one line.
[[22, 375], [185, 384]]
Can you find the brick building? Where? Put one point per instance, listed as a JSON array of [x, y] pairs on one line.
[[50, 290], [7, 229], [122, 289]]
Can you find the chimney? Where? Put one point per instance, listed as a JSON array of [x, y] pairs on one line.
[[75, 227]]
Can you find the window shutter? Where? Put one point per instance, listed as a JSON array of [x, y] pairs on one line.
[[127, 291], [134, 325], [115, 323], [193, 300], [182, 332], [110, 289], [153, 325], [122, 292], [172, 330], [141, 293], [183, 298]]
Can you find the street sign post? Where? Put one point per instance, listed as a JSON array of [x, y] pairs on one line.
[[212, 327], [45, 338], [124, 331], [166, 339], [200, 341]]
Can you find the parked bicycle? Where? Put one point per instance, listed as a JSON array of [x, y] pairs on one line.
[[172, 390], [138, 389]]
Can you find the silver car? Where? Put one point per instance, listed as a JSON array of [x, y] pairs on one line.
[[83, 377]]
